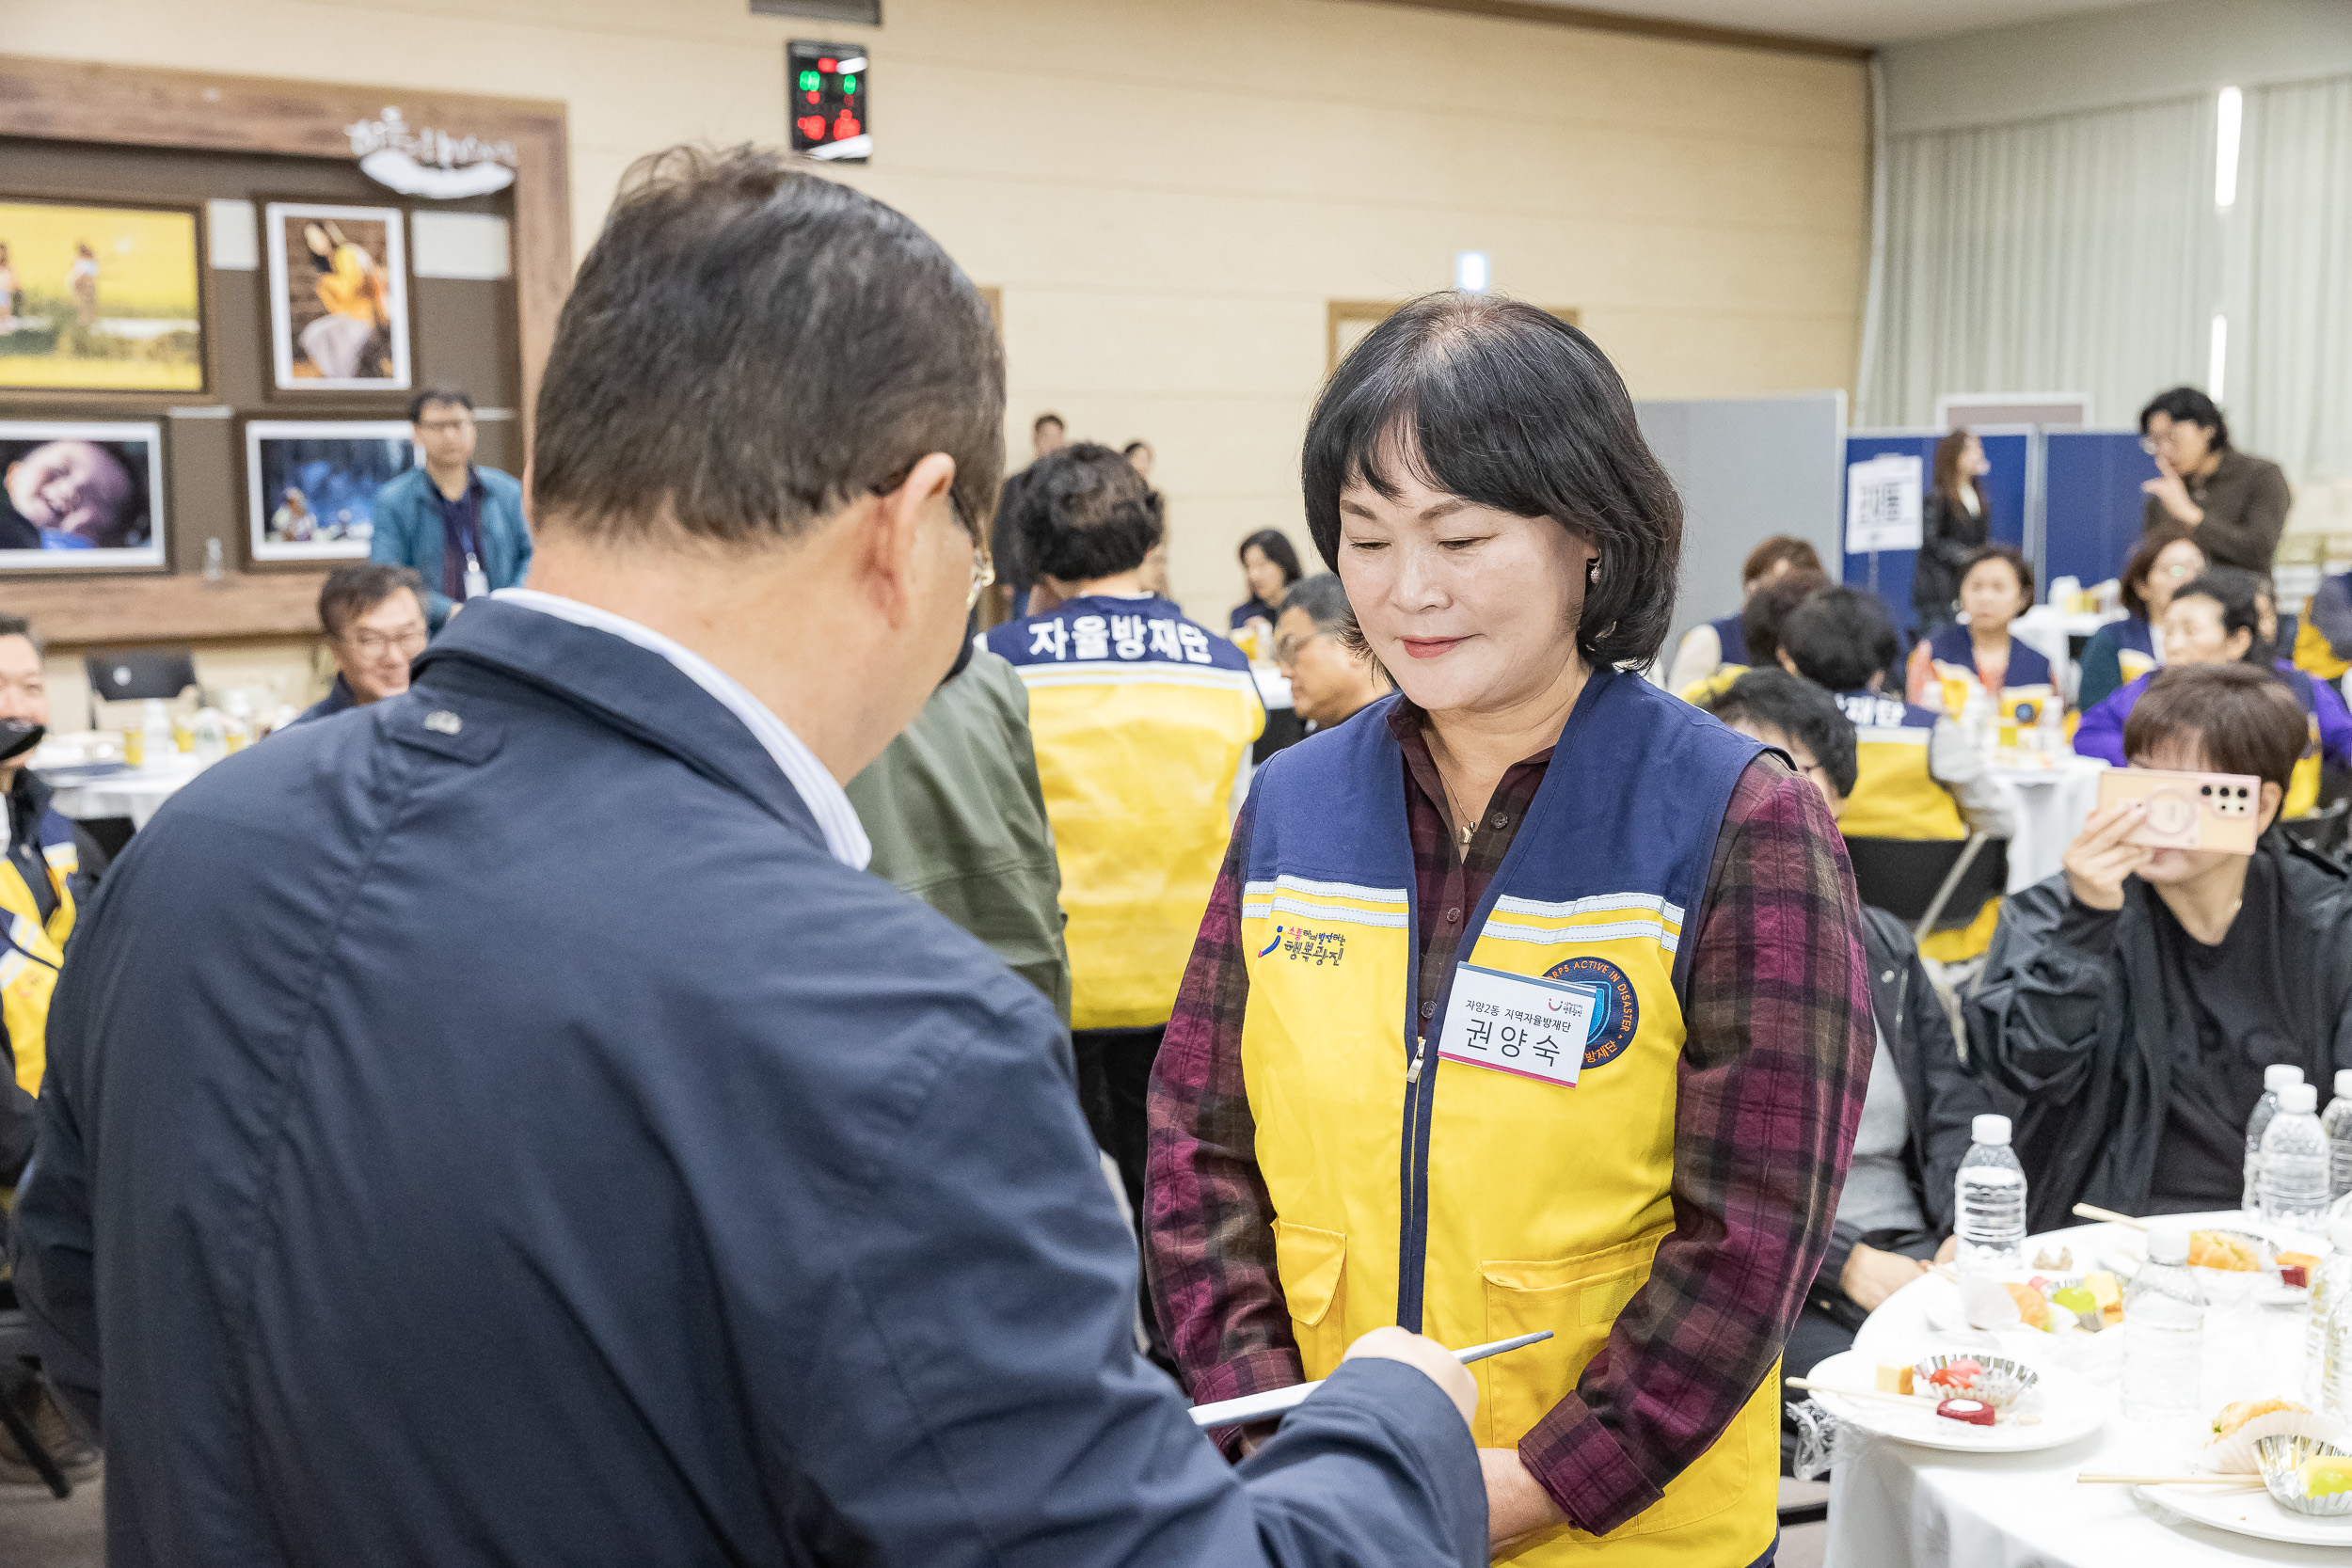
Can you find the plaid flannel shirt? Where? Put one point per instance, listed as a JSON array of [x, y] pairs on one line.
[[1768, 1093]]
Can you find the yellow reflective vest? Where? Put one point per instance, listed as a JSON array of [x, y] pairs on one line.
[[1465, 1195], [1141, 719], [31, 949]]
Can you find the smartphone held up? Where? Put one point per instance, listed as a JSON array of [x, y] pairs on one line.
[[2188, 810]]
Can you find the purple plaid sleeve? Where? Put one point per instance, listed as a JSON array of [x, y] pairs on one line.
[[1776, 1056], [1209, 1231]]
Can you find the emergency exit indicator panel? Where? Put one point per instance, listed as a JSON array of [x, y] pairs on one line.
[[828, 100]]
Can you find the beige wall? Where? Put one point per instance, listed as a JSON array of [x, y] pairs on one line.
[[1168, 190]]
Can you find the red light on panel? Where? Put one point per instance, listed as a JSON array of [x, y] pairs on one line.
[[846, 126], [828, 65], [812, 126]]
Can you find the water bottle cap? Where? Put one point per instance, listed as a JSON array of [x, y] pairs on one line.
[[2167, 1244], [1990, 1128], [2344, 1082], [2278, 1075], [2299, 1099]]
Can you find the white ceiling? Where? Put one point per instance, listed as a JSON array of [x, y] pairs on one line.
[[1864, 22]]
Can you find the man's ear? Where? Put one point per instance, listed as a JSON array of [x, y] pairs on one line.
[[892, 553], [1788, 664], [2272, 798]]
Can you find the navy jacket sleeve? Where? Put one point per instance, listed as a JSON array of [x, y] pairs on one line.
[[981, 1399]]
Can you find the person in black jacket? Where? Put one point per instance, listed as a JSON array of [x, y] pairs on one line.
[[1896, 1209], [1954, 524], [2135, 999]]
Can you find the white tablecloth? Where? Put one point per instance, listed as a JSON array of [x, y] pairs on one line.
[[2048, 806], [2050, 633], [1893, 1505], [134, 793]]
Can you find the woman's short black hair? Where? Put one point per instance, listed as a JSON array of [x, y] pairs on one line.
[[2142, 563], [1507, 406], [2010, 553], [2238, 592], [1761, 618], [1276, 546], [1839, 638], [2187, 403], [1801, 710], [1082, 513]]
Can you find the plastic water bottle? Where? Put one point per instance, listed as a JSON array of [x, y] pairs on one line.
[[161, 753], [1991, 1193], [2295, 1178], [2331, 1286], [2275, 1077], [2163, 1332], [2337, 1124]]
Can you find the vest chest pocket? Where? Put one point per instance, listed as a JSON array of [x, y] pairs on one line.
[[1579, 1299], [1312, 1266]]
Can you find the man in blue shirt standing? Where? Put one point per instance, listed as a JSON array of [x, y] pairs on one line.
[[459, 525], [507, 1125]]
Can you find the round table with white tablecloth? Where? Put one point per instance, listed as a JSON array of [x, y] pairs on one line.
[[2047, 806], [1897, 1505], [83, 792]]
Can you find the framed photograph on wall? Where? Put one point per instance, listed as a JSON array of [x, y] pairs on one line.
[[100, 298], [310, 484], [337, 297], [77, 493]]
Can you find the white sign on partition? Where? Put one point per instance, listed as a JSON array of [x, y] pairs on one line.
[[1883, 503]]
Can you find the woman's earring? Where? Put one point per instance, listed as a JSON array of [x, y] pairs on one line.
[[1591, 572]]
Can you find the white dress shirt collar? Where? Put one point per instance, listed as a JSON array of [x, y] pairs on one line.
[[845, 836]]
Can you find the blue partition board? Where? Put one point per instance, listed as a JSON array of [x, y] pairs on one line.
[[2004, 495], [2094, 502]]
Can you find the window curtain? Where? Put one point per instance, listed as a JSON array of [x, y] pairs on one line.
[[2076, 254], [2289, 382]]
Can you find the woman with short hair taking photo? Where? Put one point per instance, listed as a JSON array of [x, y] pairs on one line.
[[1533, 997]]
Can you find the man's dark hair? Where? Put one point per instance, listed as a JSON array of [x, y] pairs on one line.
[[2238, 592], [1801, 710], [1082, 513], [1780, 548], [1324, 598], [356, 587], [2010, 553], [2142, 560], [17, 625], [1767, 609], [450, 397], [1839, 637], [748, 348], [1276, 547], [2187, 403], [2243, 717], [1044, 420], [1508, 406]]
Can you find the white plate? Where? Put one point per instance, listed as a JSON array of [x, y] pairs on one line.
[[2250, 1512], [2069, 1406]]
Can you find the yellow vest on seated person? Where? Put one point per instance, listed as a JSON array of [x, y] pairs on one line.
[[1538, 1205], [31, 949], [1895, 796]]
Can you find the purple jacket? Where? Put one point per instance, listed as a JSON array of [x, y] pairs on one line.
[[2101, 732]]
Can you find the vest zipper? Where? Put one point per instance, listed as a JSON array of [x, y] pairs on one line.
[[1413, 1244], [1421, 1049]]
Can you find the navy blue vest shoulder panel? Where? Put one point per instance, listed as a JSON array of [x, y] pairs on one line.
[[1099, 630], [1950, 645], [2133, 632], [1633, 801], [1734, 637]]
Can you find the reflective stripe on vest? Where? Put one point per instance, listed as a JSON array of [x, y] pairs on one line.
[[31, 949], [1140, 720], [1473, 1204]]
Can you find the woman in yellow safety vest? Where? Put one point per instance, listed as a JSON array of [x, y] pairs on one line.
[[1529, 997]]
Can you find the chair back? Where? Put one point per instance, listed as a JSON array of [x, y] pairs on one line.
[[136, 675], [1905, 877]]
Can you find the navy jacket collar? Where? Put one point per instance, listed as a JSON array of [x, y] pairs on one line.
[[630, 689]]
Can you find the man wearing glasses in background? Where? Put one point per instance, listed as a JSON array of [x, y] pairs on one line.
[[461, 526], [1330, 677], [374, 619], [2233, 504]]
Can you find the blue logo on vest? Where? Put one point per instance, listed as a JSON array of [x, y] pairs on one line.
[[1315, 947], [1618, 1014]]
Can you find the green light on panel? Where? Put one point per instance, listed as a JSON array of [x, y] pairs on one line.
[[849, 83], [808, 81]]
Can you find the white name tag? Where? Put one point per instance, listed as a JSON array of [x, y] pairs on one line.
[[1512, 1024]]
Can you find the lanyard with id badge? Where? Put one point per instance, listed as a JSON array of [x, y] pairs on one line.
[[1519, 1025]]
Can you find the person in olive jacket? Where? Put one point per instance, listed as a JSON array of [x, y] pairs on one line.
[[2234, 506]]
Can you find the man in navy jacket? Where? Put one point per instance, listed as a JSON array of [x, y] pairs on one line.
[[505, 1125]]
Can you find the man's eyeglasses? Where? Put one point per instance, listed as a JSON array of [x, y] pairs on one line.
[[373, 643], [443, 426], [1287, 649]]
